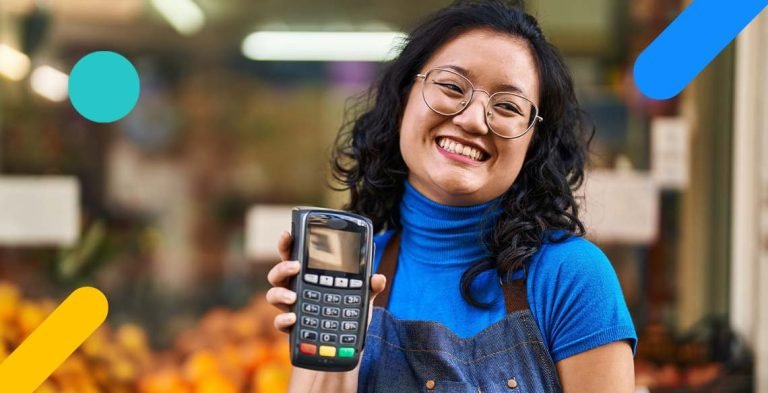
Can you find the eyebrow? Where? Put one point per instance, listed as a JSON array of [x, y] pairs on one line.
[[467, 73]]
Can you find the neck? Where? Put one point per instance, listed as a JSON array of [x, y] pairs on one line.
[[437, 233]]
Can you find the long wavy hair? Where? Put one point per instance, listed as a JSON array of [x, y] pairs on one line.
[[540, 203]]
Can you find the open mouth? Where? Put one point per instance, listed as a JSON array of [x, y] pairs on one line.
[[455, 147]]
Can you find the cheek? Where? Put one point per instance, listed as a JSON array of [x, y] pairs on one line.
[[416, 123], [409, 133], [417, 117], [514, 156], [512, 168]]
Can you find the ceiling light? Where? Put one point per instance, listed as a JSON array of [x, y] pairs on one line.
[[14, 65], [321, 46], [184, 15], [50, 83]]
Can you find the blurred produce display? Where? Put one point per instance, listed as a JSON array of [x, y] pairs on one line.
[[227, 351]]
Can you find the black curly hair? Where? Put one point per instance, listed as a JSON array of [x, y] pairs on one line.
[[538, 207]]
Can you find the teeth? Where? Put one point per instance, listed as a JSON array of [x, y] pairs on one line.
[[458, 148]]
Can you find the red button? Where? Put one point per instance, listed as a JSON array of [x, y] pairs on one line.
[[309, 349]]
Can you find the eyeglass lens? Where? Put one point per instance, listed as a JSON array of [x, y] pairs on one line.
[[449, 93]]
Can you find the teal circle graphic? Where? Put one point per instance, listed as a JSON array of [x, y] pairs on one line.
[[103, 86]]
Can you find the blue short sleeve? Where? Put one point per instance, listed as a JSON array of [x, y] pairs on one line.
[[576, 299]]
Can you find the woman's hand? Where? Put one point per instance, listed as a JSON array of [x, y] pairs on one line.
[[280, 296], [283, 298]]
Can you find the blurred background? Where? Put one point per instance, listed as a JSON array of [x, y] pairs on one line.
[[174, 211]]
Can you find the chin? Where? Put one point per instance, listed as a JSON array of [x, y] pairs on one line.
[[458, 188]]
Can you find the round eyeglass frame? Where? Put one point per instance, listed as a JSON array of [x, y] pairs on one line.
[[486, 112]]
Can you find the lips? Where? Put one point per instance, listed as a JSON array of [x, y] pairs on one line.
[[463, 148]]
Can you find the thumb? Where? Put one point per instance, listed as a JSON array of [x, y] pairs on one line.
[[378, 283]]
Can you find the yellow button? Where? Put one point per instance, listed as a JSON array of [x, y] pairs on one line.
[[327, 351]]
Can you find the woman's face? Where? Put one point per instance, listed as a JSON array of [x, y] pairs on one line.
[[490, 60]]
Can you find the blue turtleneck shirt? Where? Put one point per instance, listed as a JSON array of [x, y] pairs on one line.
[[573, 291]]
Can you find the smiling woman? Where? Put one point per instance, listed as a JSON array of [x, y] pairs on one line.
[[466, 162], [445, 175]]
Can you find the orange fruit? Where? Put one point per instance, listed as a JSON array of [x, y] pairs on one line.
[[200, 365], [215, 383], [272, 377], [30, 316], [9, 301]]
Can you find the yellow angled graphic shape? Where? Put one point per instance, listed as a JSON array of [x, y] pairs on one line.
[[53, 341]]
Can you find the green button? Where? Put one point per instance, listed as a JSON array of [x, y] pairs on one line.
[[346, 352]]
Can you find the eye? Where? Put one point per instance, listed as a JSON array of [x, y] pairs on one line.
[[508, 108], [450, 86]]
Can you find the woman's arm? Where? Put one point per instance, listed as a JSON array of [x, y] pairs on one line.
[[309, 381], [606, 369]]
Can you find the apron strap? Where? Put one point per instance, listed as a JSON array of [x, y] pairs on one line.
[[388, 267], [515, 294]]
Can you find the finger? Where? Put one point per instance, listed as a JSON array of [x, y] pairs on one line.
[[378, 283], [281, 297], [284, 322], [284, 245], [279, 275]]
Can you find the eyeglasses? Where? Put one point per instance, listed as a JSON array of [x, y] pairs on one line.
[[508, 115]]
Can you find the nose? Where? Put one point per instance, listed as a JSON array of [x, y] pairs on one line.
[[472, 118]]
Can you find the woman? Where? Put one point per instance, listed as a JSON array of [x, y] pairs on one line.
[[466, 162]]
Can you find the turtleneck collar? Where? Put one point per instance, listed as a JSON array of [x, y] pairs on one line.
[[440, 234]]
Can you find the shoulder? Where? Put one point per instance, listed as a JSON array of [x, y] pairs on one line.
[[572, 272], [574, 257], [568, 245]]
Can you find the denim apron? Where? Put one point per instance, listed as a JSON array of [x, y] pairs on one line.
[[401, 356]]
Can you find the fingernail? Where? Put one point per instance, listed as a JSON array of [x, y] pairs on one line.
[[290, 297]]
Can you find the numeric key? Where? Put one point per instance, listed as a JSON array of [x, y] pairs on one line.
[[327, 338], [330, 325], [311, 295], [332, 298], [310, 308], [309, 322], [352, 299], [349, 326], [331, 311]]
